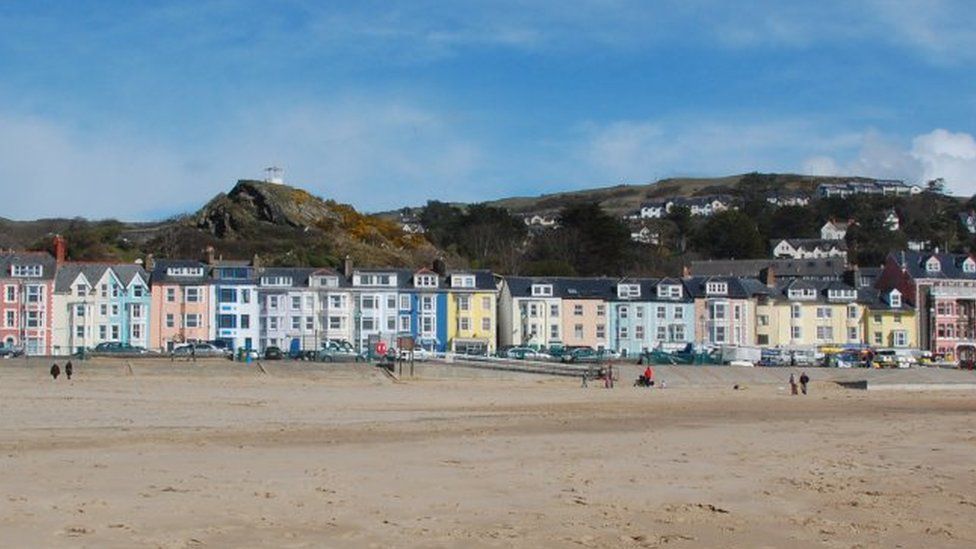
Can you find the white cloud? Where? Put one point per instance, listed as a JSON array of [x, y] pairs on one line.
[[951, 156]]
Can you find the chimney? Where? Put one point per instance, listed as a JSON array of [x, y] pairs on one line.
[[60, 249], [256, 261], [769, 276], [150, 263], [440, 267], [347, 267], [685, 272], [208, 253]]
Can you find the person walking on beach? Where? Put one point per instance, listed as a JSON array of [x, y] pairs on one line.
[[55, 371], [68, 369], [793, 384], [804, 379]]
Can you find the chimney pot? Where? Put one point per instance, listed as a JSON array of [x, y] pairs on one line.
[[347, 267], [60, 249]]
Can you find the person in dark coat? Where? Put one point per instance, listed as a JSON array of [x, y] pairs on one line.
[[804, 379], [55, 370], [68, 369]]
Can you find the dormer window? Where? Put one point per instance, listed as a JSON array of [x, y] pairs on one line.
[[841, 295], [81, 290], [276, 281], [933, 265], [184, 271], [374, 279], [894, 299], [542, 290], [669, 291], [802, 293], [626, 291], [969, 266], [462, 281], [326, 281], [717, 288], [425, 281], [27, 271]]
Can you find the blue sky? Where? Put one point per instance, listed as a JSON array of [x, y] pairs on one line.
[[140, 110]]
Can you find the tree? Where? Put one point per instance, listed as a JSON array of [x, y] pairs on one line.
[[730, 235], [936, 186]]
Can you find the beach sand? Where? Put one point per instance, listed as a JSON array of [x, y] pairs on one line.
[[216, 457]]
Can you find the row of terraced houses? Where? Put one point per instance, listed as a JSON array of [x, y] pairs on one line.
[[57, 307]]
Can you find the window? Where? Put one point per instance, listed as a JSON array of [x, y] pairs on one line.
[[679, 333], [404, 302], [553, 310], [840, 295], [184, 271], [877, 318], [718, 311], [899, 338], [35, 294], [933, 265], [26, 271], [115, 332], [404, 323], [391, 323], [192, 320], [103, 309], [719, 334], [825, 333], [623, 311], [679, 313], [427, 324], [626, 291], [577, 310], [796, 332], [464, 303], [138, 290], [542, 290], [897, 318], [717, 288], [276, 281], [339, 302], [662, 313], [245, 321], [425, 281], [486, 303], [115, 290], [795, 311], [79, 310], [762, 339], [245, 296], [115, 309], [578, 331], [852, 312], [763, 320], [79, 331], [103, 290], [273, 301], [296, 302], [10, 294], [191, 295], [601, 310], [102, 331], [426, 303], [969, 266], [136, 310], [462, 281], [10, 319], [852, 334], [894, 299], [878, 340], [368, 302], [296, 323], [824, 312], [464, 324], [170, 295], [554, 331], [335, 322], [737, 312], [81, 290], [227, 321], [170, 320], [622, 332], [601, 331], [368, 323], [669, 291], [137, 331], [486, 324], [391, 302]]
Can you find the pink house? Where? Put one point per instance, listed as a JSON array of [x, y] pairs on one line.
[[181, 307], [27, 286]]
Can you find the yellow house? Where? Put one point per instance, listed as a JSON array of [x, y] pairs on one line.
[[803, 313], [472, 312], [889, 322]]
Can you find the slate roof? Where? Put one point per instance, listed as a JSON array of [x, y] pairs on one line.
[[93, 272], [159, 275], [46, 260], [914, 263], [827, 268]]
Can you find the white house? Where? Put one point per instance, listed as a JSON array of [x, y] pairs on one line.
[[891, 222], [834, 230], [808, 248]]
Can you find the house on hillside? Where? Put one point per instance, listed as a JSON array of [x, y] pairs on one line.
[[645, 235], [788, 199], [804, 248], [876, 187], [835, 230], [891, 222], [968, 220], [699, 206]]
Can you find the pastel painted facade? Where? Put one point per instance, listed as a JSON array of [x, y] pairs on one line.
[[472, 312], [724, 310], [530, 312], [181, 309], [375, 295], [809, 314], [335, 304], [889, 321], [236, 308], [648, 314], [423, 310], [288, 312], [98, 303], [26, 306], [585, 311]]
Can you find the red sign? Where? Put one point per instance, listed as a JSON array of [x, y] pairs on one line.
[[381, 348]]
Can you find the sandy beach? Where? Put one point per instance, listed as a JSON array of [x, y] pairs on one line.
[[223, 456]]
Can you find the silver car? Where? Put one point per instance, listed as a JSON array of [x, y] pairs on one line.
[[202, 350]]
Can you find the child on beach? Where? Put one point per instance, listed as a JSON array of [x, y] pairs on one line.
[[804, 379], [55, 371]]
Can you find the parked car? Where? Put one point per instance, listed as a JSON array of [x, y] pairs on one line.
[[273, 353], [201, 350], [526, 353], [418, 354], [339, 350], [10, 352], [117, 347], [223, 346], [586, 355]]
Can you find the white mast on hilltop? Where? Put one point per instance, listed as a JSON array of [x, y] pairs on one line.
[[274, 174]]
